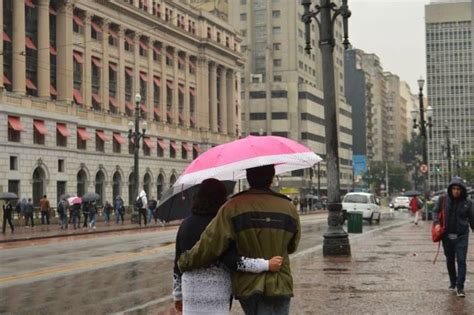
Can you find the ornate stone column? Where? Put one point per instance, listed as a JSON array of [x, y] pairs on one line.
[[104, 91], [18, 47], [64, 48], [43, 65], [223, 100], [230, 102], [87, 67], [213, 96], [121, 71], [202, 90], [163, 79], [186, 108]]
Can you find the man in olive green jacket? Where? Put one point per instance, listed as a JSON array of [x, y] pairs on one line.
[[262, 224]]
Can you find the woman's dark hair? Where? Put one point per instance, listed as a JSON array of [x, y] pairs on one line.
[[211, 196]]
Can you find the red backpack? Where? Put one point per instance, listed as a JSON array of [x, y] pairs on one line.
[[437, 235]]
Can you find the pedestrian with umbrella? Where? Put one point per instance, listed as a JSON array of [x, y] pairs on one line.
[[119, 209], [7, 216], [91, 205], [62, 212]]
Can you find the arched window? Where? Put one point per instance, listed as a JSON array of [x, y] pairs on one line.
[[172, 180], [116, 185], [39, 190], [100, 187], [81, 183], [146, 184], [160, 184]]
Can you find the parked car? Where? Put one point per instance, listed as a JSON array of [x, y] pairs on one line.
[[363, 202], [401, 202]]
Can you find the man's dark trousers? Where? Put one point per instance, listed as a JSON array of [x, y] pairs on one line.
[[45, 214], [456, 250]]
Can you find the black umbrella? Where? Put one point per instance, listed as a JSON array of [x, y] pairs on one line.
[[8, 196], [90, 196], [176, 202], [412, 193], [65, 196]]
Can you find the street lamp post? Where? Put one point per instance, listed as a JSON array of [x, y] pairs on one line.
[[447, 147], [336, 241], [135, 135]]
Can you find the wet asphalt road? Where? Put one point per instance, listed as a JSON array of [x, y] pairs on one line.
[[103, 274]]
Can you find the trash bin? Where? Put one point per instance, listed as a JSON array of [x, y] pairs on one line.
[[354, 222]]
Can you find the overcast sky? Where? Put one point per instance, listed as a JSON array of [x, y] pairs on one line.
[[394, 30]]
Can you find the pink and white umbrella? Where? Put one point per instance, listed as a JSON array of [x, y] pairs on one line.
[[230, 160], [74, 200]]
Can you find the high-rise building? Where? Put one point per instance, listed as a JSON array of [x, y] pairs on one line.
[[411, 103], [70, 74], [450, 82], [282, 90]]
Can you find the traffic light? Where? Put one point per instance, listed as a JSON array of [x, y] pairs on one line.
[[437, 169]]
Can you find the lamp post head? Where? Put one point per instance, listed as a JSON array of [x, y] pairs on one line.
[[429, 111], [414, 113], [131, 125], [138, 98], [144, 126], [421, 83]]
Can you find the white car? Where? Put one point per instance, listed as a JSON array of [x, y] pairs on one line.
[[363, 202], [401, 202]]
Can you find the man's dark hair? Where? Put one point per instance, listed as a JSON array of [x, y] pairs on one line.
[[45, 196], [211, 196], [261, 177]]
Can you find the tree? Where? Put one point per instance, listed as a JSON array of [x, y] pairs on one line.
[[397, 176], [412, 151]]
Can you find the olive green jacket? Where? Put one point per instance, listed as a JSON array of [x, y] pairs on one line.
[[262, 224]]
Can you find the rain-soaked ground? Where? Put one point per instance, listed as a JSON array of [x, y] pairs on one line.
[[121, 272]]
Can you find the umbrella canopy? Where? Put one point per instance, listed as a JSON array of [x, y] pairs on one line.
[[74, 200], [176, 202], [65, 196], [412, 193], [230, 160], [90, 196], [8, 196]]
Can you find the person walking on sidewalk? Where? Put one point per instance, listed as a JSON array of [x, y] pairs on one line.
[[76, 215], [7, 216], [21, 206], [92, 214], [458, 215], [29, 212], [85, 213], [416, 205], [62, 212], [44, 208], [261, 223], [107, 210], [140, 205], [119, 209], [152, 203]]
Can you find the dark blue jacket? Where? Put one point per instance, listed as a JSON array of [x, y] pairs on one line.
[[464, 209]]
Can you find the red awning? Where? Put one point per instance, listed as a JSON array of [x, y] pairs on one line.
[[113, 33], [192, 120], [52, 90], [149, 143], [52, 50], [129, 40], [186, 147], [96, 27], [77, 96], [197, 148], [113, 101], [143, 76], [192, 66], [15, 123], [143, 45], [29, 43], [119, 138], [162, 144], [97, 62], [6, 38], [96, 98], [30, 85], [181, 117], [181, 60], [169, 84], [78, 20], [101, 134], [181, 88], [6, 81], [168, 113], [192, 91], [143, 108], [157, 49], [173, 145], [157, 111], [169, 55], [129, 72], [83, 134], [29, 3], [129, 105], [52, 11], [78, 57], [113, 66], [63, 130], [40, 127]]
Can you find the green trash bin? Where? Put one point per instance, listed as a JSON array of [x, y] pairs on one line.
[[354, 222]]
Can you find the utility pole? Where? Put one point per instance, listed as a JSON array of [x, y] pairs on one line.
[[336, 240], [386, 180]]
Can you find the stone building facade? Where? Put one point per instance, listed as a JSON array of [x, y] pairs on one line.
[[71, 70]]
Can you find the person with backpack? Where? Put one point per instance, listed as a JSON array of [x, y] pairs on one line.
[[62, 213], [107, 210], [119, 209], [29, 212], [152, 203], [458, 215], [140, 204], [92, 214]]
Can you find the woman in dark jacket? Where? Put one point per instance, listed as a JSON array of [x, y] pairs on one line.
[[208, 290]]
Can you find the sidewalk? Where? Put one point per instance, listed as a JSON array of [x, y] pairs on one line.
[[390, 272]]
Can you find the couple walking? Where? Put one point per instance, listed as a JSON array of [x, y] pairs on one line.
[[238, 248]]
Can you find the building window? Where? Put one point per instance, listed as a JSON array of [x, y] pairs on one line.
[[14, 129], [14, 186], [276, 46], [258, 116], [13, 163], [113, 36], [277, 62], [117, 143], [96, 100], [60, 188], [143, 51], [39, 132], [243, 16], [276, 30], [184, 151], [160, 150], [146, 147], [209, 33], [78, 23], [276, 13], [277, 78], [218, 37], [129, 42], [61, 166], [99, 141], [279, 94], [96, 29], [173, 149], [61, 135]]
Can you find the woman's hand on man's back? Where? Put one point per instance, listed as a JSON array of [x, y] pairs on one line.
[[274, 264]]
